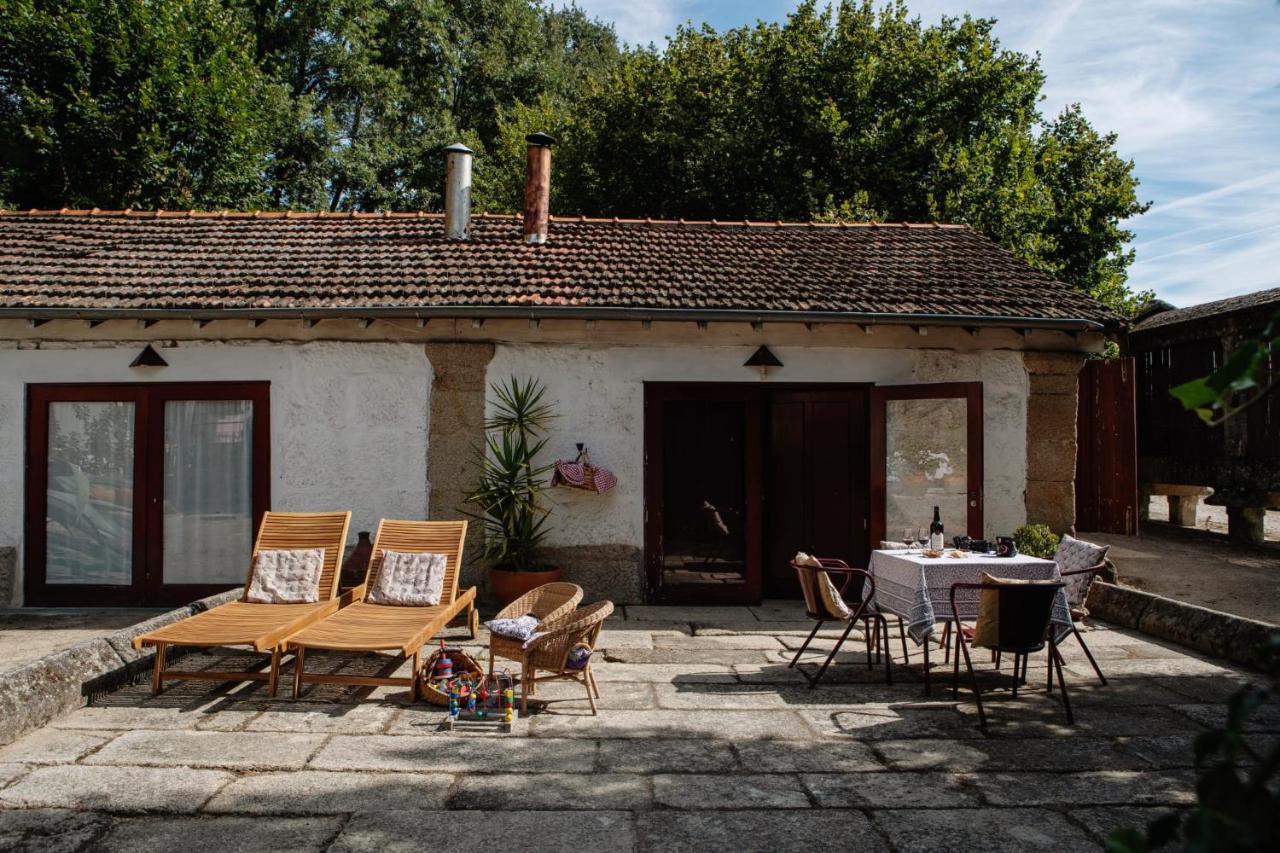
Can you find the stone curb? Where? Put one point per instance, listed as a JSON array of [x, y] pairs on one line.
[[1212, 632], [61, 681]]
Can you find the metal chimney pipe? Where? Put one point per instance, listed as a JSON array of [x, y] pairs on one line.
[[537, 188], [457, 191]]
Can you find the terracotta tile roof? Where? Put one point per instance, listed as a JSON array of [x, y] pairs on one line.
[[146, 261], [1262, 301]]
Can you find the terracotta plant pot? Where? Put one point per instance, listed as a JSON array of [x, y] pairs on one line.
[[507, 586]]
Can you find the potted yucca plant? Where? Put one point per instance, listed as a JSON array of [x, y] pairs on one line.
[[509, 493]]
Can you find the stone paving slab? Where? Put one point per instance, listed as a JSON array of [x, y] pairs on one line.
[[757, 831], [235, 750], [320, 792], [740, 791], [117, 789], [456, 755], [54, 746], [705, 747], [550, 791], [552, 831], [957, 831], [230, 833]]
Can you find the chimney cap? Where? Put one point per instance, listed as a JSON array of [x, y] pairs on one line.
[[540, 139], [458, 148]]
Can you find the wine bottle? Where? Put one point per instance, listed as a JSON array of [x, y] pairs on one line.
[[936, 540]]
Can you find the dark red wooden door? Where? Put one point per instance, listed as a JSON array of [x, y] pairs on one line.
[[816, 480], [1107, 459]]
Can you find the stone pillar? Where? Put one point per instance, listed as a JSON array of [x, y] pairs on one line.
[[457, 427], [1054, 383], [1246, 524], [1183, 510]]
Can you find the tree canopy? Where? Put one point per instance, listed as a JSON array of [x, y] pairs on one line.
[[852, 112]]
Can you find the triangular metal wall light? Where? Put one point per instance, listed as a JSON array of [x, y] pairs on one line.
[[149, 358]]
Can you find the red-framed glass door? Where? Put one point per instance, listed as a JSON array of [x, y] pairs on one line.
[[143, 494], [926, 451]]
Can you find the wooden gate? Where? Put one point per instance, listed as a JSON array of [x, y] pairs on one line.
[[1107, 460]]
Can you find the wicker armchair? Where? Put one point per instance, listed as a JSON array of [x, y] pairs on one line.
[[550, 652], [547, 602]]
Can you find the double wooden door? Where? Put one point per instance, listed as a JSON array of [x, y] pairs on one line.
[[739, 477], [142, 494]]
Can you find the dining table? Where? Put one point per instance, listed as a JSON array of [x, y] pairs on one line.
[[917, 588]]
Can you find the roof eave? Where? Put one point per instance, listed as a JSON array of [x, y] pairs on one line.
[[545, 312]]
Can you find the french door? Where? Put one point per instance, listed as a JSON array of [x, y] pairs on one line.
[[143, 494], [926, 451]]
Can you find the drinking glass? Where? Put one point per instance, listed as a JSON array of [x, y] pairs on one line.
[[922, 536], [909, 538]]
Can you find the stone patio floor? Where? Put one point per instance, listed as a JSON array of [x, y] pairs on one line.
[[705, 740]]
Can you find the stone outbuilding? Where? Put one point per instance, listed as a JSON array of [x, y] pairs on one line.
[[757, 388]]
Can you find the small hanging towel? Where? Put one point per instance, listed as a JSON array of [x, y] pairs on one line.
[[581, 474]]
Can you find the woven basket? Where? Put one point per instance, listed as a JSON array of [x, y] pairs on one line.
[[463, 665]]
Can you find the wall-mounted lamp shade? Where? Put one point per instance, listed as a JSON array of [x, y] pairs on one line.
[[762, 357], [148, 358]]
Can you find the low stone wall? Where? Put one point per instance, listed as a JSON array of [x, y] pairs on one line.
[[37, 692], [1222, 635]]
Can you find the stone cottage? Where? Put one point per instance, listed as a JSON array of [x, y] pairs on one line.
[[756, 387]]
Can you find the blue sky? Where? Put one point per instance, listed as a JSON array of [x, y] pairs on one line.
[[1192, 87]]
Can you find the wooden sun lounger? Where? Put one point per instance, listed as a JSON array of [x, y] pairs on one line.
[[367, 627], [264, 627]]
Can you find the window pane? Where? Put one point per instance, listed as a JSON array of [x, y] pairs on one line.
[[704, 493], [89, 523], [208, 488], [926, 445]]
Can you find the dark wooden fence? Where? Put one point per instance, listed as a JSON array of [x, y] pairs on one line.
[[1107, 459]]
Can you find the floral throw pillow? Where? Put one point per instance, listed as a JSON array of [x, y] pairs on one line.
[[286, 577], [1075, 554], [521, 628], [409, 579]]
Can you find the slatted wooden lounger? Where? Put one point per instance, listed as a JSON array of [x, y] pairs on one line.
[[264, 627], [368, 627]]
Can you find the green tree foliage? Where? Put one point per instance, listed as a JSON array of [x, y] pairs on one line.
[[115, 103], [852, 112], [856, 112]]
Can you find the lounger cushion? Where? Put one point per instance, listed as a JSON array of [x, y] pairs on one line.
[[832, 601], [286, 577], [409, 580]]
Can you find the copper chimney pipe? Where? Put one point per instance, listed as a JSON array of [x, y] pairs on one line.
[[537, 187]]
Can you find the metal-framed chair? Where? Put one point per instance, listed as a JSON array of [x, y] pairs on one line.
[[849, 603], [1077, 591], [1023, 628]]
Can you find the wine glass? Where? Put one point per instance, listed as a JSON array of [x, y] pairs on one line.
[[909, 538], [922, 536]]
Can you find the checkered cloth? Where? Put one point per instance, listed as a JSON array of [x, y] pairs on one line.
[[918, 588]]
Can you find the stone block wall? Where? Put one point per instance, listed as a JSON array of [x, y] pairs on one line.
[[457, 426], [1052, 407]]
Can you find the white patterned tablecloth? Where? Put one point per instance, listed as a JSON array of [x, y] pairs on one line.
[[918, 588]]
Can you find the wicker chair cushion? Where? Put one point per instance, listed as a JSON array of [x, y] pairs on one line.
[[1072, 555], [409, 579], [521, 628], [286, 577]]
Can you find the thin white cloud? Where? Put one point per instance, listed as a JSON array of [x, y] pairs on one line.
[[639, 22]]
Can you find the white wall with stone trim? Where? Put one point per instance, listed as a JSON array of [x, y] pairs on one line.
[[599, 394], [348, 420]]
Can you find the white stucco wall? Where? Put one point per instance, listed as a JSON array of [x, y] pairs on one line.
[[599, 392], [348, 420]]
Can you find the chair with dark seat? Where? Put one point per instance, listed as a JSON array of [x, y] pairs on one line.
[[1021, 615], [848, 603]]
